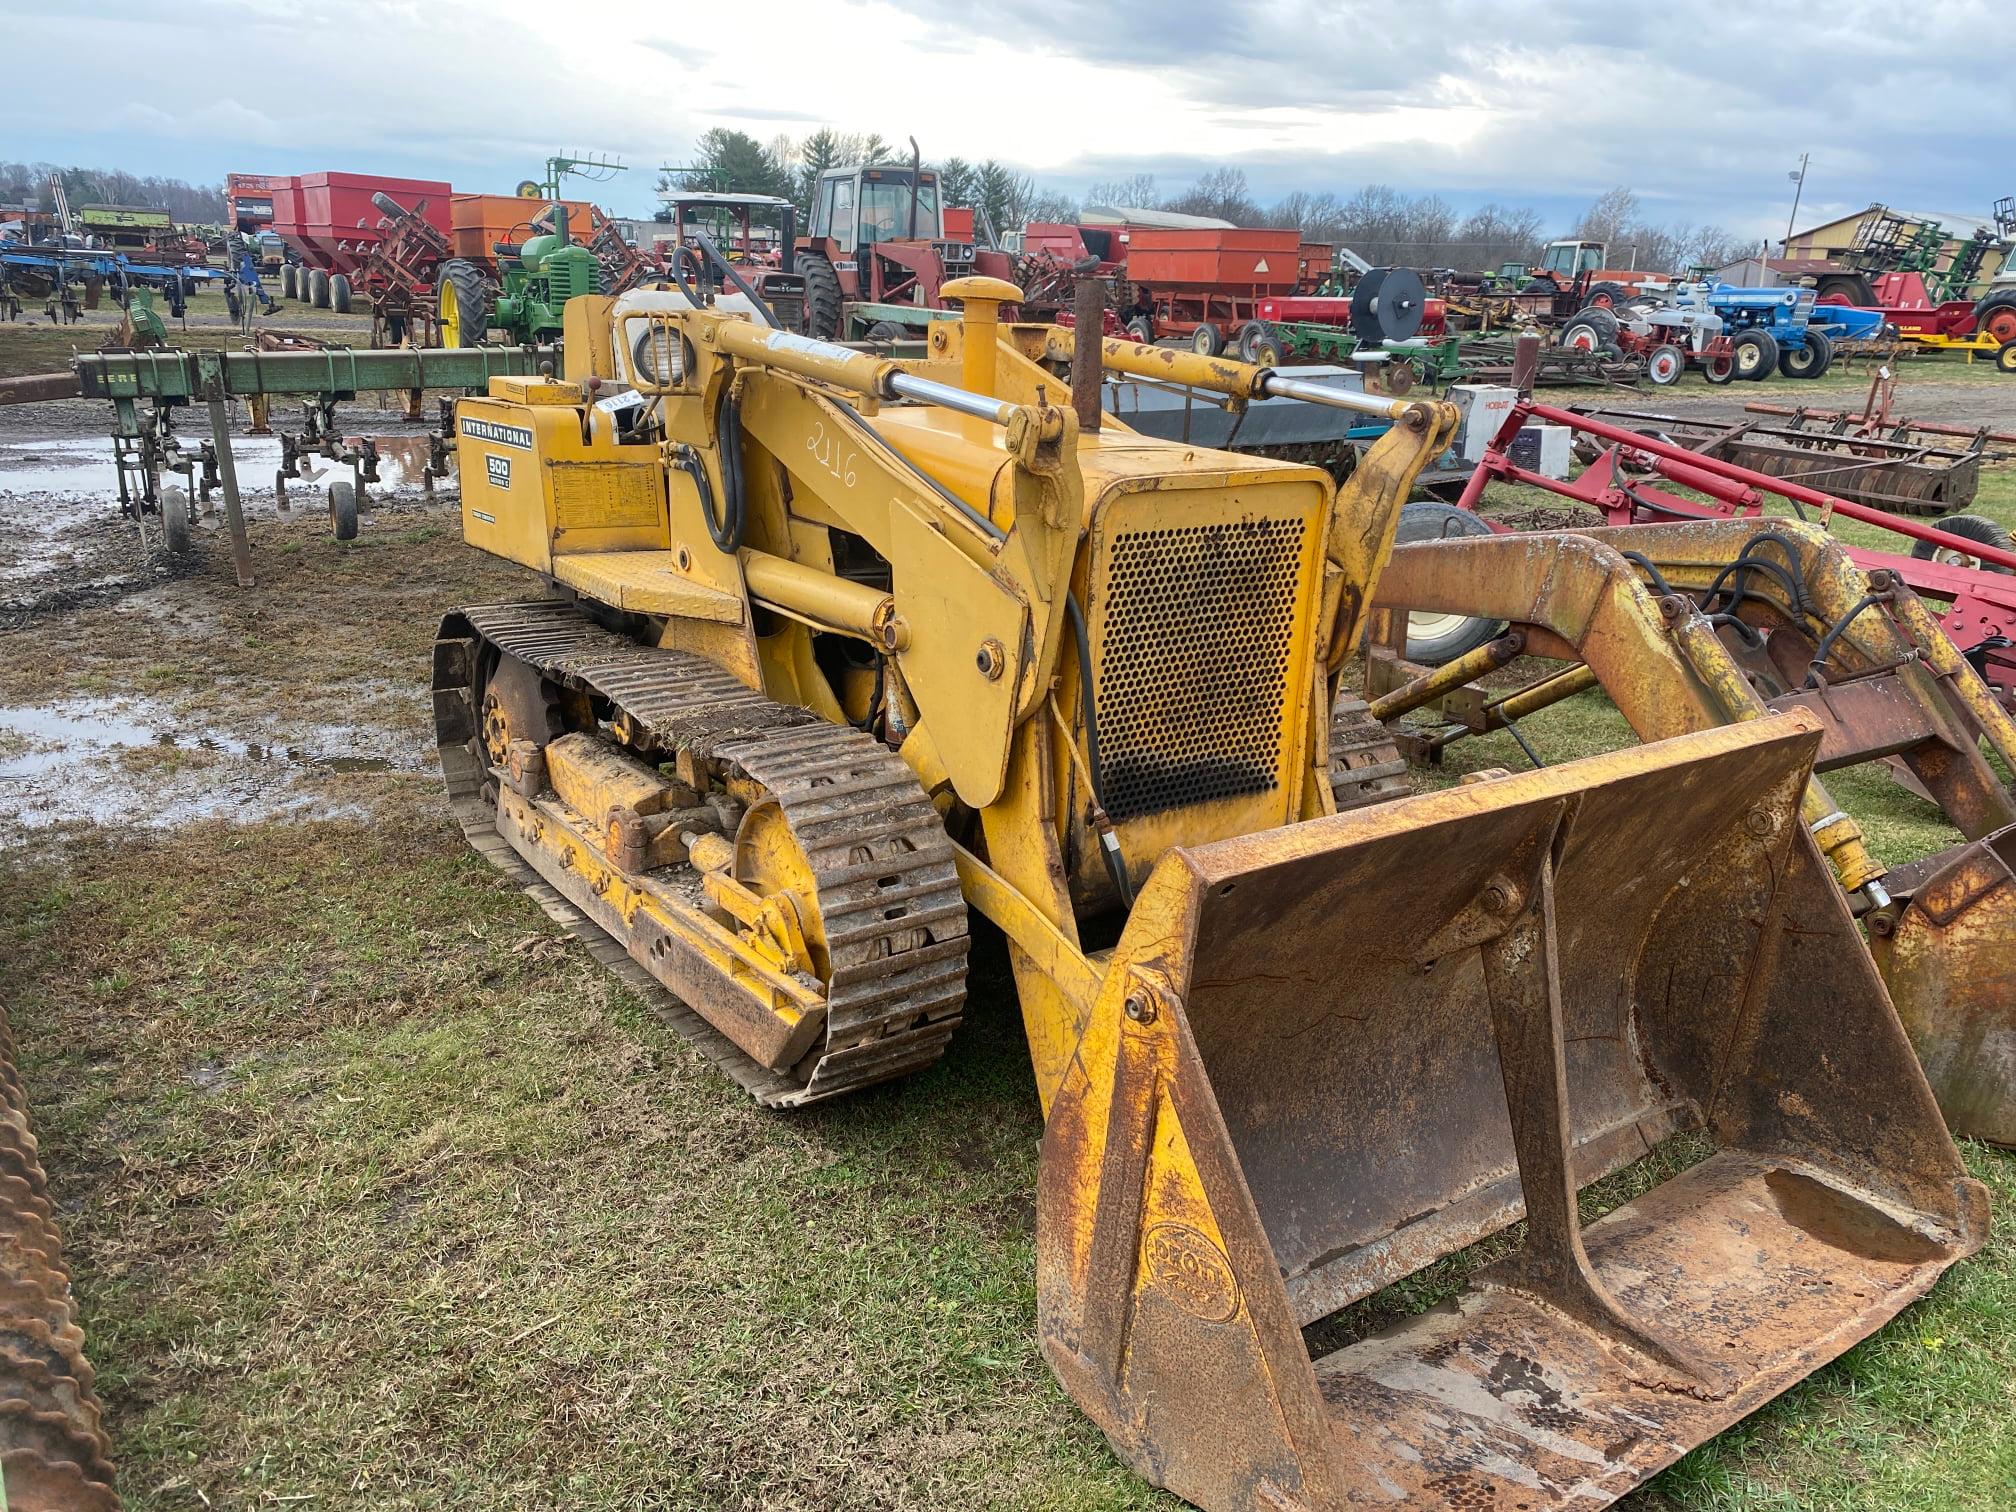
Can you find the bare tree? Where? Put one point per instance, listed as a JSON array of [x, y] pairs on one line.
[[1137, 192]]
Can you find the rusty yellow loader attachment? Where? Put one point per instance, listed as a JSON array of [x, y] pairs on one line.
[[842, 651], [1697, 623]]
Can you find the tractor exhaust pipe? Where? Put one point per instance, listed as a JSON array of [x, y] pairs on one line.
[[1088, 305]]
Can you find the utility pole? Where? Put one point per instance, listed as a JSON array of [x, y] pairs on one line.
[[1798, 178]]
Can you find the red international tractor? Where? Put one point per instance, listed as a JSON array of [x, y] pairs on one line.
[[876, 253]]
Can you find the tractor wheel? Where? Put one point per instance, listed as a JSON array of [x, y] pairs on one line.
[[1665, 365], [1433, 639], [822, 298], [887, 330], [1719, 370], [1756, 355], [1268, 349], [1207, 340], [175, 521], [1810, 360], [1995, 316], [343, 511], [1591, 331], [1976, 528], [1539, 286], [1249, 333], [318, 288], [1604, 296], [1844, 289], [1142, 329], [339, 294], [461, 304], [2005, 359]]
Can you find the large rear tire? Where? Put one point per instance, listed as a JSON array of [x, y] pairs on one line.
[[1978, 529], [1810, 360], [1995, 316], [1433, 639], [1756, 355], [822, 298], [461, 304]]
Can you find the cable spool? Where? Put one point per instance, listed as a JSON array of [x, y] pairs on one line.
[[1387, 305]]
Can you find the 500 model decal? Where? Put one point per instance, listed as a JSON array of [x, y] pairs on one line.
[[519, 436]]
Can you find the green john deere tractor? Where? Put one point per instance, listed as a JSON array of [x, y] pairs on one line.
[[534, 280]]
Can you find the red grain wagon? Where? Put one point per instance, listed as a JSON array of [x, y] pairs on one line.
[[1206, 283]]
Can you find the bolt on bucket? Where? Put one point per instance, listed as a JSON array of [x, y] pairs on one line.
[[1328, 1055]]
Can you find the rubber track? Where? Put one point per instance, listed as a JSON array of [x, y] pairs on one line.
[[876, 844], [54, 1455], [1366, 766]]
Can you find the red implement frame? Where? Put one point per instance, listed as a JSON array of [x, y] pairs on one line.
[[1981, 617]]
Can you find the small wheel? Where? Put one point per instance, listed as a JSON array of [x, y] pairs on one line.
[[1268, 349], [339, 294], [1809, 360], [1719, 369], [1665, 366], [1756, 355], [1141, 329], [287, 281], [887, 330], [1249, 333], [318, 288], [1435, 638], [175, 520], [343, 510], [2005, 359], [1976, 528], [1207, 340]]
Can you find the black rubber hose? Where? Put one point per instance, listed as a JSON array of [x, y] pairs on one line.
[[1646, 565], [735, 277], [686, 280], [727, 530], [1116, 863], [1834, 633]]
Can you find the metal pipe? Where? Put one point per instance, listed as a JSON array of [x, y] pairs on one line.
[[944, 395], [1273, 386], [1784, 487], [1088, 305], [1488, 657], [1514, 707], [1946, 661]]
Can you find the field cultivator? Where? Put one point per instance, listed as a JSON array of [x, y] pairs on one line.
[[881, 644], [54, 1454]]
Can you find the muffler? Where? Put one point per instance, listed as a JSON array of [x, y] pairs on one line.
[[1326, 1056]]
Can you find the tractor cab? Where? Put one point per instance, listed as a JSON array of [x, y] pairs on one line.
[[1568, 260], [858, 207]]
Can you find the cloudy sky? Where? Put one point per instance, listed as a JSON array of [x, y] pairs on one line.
[[1703, 108]]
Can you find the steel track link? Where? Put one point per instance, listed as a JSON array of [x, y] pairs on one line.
[[889, 897], [1366, 766]]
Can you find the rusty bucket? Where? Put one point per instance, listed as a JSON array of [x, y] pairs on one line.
[[1327, 1056], [1947, 959]]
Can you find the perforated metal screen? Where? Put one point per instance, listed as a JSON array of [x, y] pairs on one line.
[[1199, 623]]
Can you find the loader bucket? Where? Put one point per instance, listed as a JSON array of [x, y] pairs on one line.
[[1948, 962], [1328, 1055]]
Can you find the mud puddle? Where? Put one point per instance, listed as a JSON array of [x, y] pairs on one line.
[[135, 762]]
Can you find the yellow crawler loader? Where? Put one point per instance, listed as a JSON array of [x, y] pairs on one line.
[[844, 649]]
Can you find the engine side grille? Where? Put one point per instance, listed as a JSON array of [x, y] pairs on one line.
[[1199, 623]]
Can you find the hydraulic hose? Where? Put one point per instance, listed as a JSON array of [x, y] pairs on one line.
[[726, 529], [735, 277], [1109, 839]]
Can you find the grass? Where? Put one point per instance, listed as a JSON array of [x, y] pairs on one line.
[[375, 1187]]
